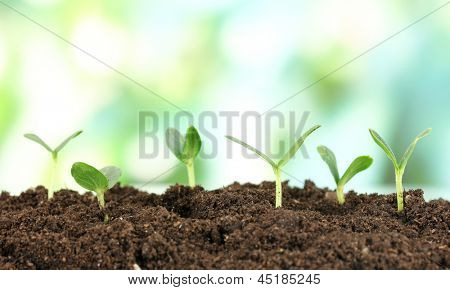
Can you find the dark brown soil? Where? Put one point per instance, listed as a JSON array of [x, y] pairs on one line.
[[235, 227]]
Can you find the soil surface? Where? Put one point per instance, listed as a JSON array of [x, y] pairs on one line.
[[236, 227]]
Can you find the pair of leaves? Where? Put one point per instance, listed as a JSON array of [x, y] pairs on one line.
[[185, 148], [288, 156], [359, 164], [399, 166], [55, 151], [92, 179]]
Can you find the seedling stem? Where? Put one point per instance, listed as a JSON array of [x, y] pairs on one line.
[[278, 187], [340, 194], [400, 189], [52, 186], [101, 202], [191, 173]]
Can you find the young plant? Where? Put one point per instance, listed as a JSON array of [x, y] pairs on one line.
[[399, 167], [185, 148], [277, 167], [359, 164], [98, 181], [54, 153]]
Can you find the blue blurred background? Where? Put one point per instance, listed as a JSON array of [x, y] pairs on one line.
[[225, 55]]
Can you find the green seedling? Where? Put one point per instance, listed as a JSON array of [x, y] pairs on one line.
[[185, 148], [54, 153], [277, 167], [359, 164], [98, 181], [399, 167]]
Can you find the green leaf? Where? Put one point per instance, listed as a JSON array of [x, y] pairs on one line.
[[291, 153], [192, 144], [256, 151], [89, 178], [330, 159], [359, 164], [185, 148], [175, 142], [64, 143], [386, 148], [111, 173], [38, 140], [411, 148]]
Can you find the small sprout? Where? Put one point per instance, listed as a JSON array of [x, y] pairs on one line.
[[277, 167], [185, 148], [359, 164], [95, 180], [399, 167], [54, 153]]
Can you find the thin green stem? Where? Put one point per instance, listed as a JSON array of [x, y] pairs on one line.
[[54, 169], [340, 194], [278, 188], [400, 189], [191, 173], [101, 198], [101, 203]]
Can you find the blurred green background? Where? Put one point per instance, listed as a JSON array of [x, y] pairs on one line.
[[225, 55]]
